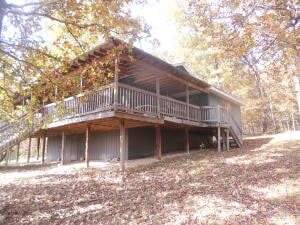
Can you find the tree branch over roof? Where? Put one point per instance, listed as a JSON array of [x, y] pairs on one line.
[[74, 28]]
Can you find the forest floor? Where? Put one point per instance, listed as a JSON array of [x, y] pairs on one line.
[[257, 184]]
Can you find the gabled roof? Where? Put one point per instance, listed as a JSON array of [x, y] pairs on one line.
[[178, 70]]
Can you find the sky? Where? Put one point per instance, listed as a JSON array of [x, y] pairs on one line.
[[156, 14]]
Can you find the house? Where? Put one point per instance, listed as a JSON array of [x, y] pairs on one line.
[[150, 108]]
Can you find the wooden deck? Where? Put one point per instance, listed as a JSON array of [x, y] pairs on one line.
[[105, 108], [142, 105]]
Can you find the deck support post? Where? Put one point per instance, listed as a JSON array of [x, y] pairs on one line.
[[227, 139], [122, 144], [28, 150], [18, 152], [219, 138], [43, 149], [158, 141], [116, 83], [157, 85], [63, 147], [187, 99], [87, 137], [224, 139], [187, 140], [38, 148], [219, 128]]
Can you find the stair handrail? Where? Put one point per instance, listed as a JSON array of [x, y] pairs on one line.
[[12, 133], [236, 128]]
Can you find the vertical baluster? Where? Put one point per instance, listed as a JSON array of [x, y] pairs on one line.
[[124, 97], [121, 99], [151, 103], [130, 102], [98, 98], [121, 94], [100, 93], [104, 97], [137, 101], [111, 96], [145, 102], [108, 97], [131, 93], [132, 99], [128, 98], [86, 104]]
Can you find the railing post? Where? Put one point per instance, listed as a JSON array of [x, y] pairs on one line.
[[218, 114], [157, 96], [116, 84], [187, 99]]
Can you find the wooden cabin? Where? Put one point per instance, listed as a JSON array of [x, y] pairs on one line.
[[150, 108]]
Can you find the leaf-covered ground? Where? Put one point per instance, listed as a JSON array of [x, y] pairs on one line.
[[258, 184]]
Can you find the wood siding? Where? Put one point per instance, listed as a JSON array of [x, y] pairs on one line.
[[103, 146], [172, 140], [141, 142]]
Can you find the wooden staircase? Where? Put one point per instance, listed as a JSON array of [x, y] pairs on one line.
[[236, 133], [12, 134]]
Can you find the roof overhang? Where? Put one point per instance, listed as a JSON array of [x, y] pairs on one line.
[[224, 95], [162, 65]]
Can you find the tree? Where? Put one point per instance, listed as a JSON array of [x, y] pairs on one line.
[[39, 39], [242, 43]]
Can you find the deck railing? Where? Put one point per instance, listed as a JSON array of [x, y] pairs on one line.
[[173, 108], [133, 100], [81, 104], [136, 100], [129, 99]]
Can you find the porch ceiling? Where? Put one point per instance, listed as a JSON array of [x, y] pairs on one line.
[[144, 68], [140, 75]]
